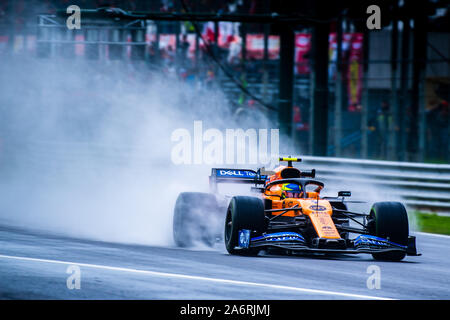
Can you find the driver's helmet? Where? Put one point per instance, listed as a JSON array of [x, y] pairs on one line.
[[291, 190]]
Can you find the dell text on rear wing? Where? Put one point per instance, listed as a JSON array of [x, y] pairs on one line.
[[226, 175]]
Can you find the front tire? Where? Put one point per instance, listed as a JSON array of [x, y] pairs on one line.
[[389, 220], [243, 213]]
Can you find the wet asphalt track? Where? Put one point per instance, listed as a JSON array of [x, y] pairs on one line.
[[33, 265]]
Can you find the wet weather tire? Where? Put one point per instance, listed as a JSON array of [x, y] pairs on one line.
[[243, 213], [194, 219], [389, 220]]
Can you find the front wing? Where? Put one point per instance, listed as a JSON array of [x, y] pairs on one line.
[[293, 241]]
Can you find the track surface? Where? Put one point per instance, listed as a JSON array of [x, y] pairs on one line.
[[33, 265]]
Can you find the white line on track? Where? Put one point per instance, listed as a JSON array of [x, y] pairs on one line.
[[199, 278]]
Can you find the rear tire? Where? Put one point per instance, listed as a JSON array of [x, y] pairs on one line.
[[195, 219], [389, 220], [243, 213]]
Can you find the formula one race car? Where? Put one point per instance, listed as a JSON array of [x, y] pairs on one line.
[[289, 215]]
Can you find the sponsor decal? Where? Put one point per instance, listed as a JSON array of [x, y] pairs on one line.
[[316, 207], [375, 241], [235, 173], [281, 236], [244, 238]]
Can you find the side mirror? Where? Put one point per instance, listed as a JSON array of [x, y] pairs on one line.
[[308, 174], [344, 194]]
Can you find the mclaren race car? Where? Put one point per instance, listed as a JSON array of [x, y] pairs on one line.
[[287, 214]]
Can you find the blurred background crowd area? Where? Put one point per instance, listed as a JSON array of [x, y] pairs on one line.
[[375, 71]]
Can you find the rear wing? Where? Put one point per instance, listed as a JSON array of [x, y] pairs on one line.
[[245, 176]]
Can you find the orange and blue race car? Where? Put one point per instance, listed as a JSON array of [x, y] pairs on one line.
[[288, 215]]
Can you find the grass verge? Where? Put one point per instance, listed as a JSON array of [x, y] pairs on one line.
[[432, 223]]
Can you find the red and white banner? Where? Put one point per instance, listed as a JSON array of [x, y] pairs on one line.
[[302, 48], [255, 46]]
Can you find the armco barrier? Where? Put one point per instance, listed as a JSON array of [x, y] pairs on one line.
[[421, 186]]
